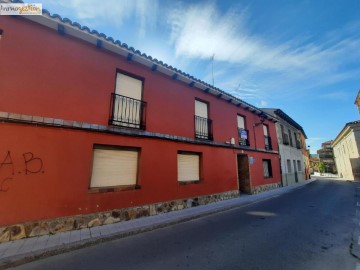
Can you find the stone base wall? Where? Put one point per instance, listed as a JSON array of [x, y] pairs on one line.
[[259, 189], [53, 226]]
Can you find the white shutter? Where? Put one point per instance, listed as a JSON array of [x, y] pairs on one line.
[[201, 109], [188, 167], [114, 168], [241, 122], [128, 86], [265, 130]]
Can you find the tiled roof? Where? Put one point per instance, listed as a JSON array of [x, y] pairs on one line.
[[142, 58]]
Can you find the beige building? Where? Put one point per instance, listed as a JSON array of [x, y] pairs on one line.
[[346, 147]]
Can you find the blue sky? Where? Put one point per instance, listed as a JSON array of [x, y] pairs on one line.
[[300, 56]]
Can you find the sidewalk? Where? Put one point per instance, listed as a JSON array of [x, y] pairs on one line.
[[25, 250]]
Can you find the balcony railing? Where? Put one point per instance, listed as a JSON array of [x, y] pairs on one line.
[[298, 144], [127, 112], [285, 139], [268, 145], [243, 137], [203, 128]]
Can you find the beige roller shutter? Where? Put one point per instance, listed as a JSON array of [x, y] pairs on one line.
[[201, 109], [188, 167], [266, 168], [114, 168], [128, 86], [241, 122]]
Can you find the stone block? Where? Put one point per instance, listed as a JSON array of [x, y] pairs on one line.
[[94, 222], [68, 123], [41, 229], [25, 117], [61, 225], [4, 114], [77, 124], [38, 119], [48, 120], [85, 125], [152, 210], [59, 122], [4, 235], [111, 220], [17, 232]]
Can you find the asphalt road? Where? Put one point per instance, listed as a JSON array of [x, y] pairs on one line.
[[309, 228]]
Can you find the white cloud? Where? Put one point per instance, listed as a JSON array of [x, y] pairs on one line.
[[110, 12], [200, 31]]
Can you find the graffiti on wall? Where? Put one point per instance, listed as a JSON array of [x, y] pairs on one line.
[[30, 164]]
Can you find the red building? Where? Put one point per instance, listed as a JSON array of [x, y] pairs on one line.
[[93, 132]]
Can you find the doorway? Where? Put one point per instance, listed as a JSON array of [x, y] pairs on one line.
[[243, 173]]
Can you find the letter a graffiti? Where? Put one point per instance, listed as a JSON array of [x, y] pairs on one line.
[[7, 162]]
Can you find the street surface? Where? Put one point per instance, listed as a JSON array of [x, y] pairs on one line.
[[309, 228]]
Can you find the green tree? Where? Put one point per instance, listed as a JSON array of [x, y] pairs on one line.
[[321, 167]]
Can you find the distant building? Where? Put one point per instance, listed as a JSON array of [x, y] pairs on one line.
[[314, 163], [326, 157], [295, 159], [346, 150], [357, 101]]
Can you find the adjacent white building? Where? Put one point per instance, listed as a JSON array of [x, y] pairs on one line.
[[290, 147], [346, 147]]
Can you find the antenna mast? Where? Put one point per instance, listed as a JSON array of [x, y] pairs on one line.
[[212, 68]]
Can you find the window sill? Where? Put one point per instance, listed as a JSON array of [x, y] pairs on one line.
[[113, 189], [184, 183]]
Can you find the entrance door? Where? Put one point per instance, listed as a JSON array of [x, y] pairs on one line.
[[243, 173]]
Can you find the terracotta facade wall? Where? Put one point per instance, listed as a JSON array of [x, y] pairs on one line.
[[45, 171]]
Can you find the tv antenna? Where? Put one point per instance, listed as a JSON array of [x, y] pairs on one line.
[[212, 68]]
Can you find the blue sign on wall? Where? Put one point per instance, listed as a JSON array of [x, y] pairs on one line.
[[251, 160]]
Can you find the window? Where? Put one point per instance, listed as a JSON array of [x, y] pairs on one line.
[[267, 168], [242, 132], [285, 137], [297, 141], [127, 106], [288, 163], [290, 138], [188, 167], [299, 166], [268, 145], [202, 123], [113, 167]]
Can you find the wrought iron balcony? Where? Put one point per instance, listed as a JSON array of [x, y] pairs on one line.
[[285, 139], [127, 112], [203, 128], [268, 145], [243, 137]]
